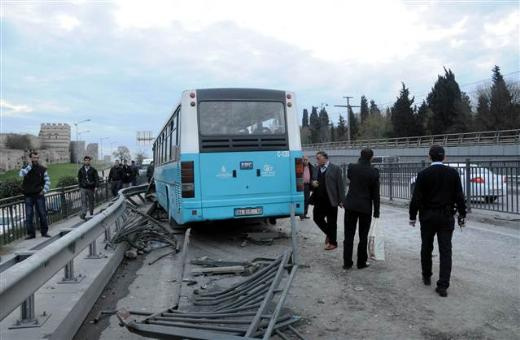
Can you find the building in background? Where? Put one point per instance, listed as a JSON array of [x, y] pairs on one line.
[[77, 151], [56, 138], [93, 151]]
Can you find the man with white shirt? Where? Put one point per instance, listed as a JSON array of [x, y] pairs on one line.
[[88, 180], [328, 194], [437, 194]]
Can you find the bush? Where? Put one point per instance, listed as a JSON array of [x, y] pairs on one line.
[[10, 187], [66, 181], [18, 142]]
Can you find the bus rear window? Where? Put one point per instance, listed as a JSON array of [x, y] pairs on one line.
[[221, 118]]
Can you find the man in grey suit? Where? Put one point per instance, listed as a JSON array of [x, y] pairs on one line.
[[328, 194]]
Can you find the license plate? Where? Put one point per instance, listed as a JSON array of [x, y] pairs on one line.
[[248, 211], [246, 165]]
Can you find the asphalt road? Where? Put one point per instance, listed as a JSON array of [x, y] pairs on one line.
[[385, 301]]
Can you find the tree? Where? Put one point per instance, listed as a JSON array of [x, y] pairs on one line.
[[341, 129], [484, 120], [305, 135], [139, 158], [500, 103], [374, 110], [363, 111], [324, 125], [352, 124], [403, 118], [122, 153], [332, 133], [374, 127], [18, 142], [422, 119], [305, 119], [445, 101], [314, 125]]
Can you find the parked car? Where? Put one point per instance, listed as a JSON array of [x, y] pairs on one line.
[[485, 186], [144, 166], [9, 222]]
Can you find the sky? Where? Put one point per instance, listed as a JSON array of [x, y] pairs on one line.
[[123, 64]]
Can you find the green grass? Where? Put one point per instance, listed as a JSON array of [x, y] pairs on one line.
[[56, 171]]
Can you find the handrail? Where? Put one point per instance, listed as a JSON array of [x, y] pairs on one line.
[[451, 139], [21, 280]]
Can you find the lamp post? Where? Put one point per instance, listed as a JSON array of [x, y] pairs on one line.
[[77, 133]]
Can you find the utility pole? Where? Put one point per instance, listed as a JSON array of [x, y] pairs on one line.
[[349, 107]]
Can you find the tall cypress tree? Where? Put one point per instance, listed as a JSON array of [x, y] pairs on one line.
[[374, 110], [403, 119], [445, 101], [305, 119], [353, 124], [484, 120], [341, 129], [314, 124], [422, 119], [324, 125], [500, 103], [363, 112], [332, 133]]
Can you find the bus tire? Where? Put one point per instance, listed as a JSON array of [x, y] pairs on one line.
[[272, 220]]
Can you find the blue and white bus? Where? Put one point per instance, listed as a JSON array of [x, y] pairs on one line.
[[230, 154]]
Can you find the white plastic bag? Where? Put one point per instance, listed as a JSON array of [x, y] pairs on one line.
[[376, 241]]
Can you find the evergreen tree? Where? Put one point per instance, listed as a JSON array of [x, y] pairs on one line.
[[324, 125], [305, 119], [484, 119], [422, 118], [374, 127], [314, 125], [341, 129], [445, 101], [374, 110], [403, 118], [353, 124], [332, 133], [363, 113], [305, 135], [500, 103]]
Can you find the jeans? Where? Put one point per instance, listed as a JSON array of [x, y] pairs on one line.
[[37, 201], [87, 201], [114, 187]]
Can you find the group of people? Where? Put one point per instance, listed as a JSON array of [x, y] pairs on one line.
[[437, 197], [122, 175]]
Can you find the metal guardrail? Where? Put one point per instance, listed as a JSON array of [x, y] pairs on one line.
[[22, 276], [61, 203], [490, 185], [454, 139]]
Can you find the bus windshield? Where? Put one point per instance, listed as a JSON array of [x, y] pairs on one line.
[[218, 118]]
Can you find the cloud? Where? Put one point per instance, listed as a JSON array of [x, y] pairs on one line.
[[503, 33], [67, 22], [14, 110]]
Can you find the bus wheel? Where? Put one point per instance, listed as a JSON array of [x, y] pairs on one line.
[[272, 220]]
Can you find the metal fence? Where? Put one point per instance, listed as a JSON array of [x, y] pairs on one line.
[[492, 185], [453, 139], [60, 203]]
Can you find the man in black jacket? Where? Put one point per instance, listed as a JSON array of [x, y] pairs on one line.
[[114, 177], [134, 173], [88, 180], [363, 193], [126, 177], [36, 182], [438, 192], [328, 194]]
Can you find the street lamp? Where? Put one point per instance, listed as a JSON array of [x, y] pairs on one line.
[[76, 126]]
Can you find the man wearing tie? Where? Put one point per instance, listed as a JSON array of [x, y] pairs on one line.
[[328, 194]]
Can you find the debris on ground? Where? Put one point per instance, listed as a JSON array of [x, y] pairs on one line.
[[264, 238]]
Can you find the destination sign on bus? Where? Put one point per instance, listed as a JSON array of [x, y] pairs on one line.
[[246, 165]]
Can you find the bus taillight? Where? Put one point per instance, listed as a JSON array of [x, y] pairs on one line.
[[187, 179], [299, 174]]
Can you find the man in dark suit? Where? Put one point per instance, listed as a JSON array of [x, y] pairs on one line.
[[328, 194], [309, 173], [363, 193], [438, 193]]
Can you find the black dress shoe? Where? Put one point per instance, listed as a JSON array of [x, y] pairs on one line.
[[30, 237], [427, 281], [46, 235], [82, 216], [441, 291], [347, 267], [362, 266]]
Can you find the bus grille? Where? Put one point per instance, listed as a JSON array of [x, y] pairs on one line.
[[219, 144]]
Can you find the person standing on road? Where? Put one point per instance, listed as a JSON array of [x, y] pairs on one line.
[[328, 194], [308, 175], [133, 174], [114, 177], [149, 172], [36, 182], [363, 193], [88, 180], [437, 194], [126, 178]]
